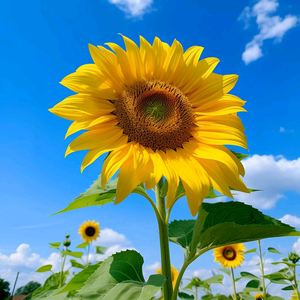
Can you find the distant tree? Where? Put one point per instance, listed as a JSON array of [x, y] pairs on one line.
[[4, 289], [30, 287]]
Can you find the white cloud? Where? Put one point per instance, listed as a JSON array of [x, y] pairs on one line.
[[281, 129], [272, 175], [133, 8], [296, 246], [109, 237], [292, 220], [270, 27], [153, 267]]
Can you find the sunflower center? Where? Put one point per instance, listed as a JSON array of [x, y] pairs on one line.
[[155, 114], [90, 231], [229, 253]]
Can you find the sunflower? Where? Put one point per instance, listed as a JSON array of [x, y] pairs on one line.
[[259, 296], [158, 111], [230, 255], [174, 274], [294, 296], [89, 231]]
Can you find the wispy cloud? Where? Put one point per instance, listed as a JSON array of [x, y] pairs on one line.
[[282, 129], [270, 27], [37, 225], [133, 8], [292, 220]]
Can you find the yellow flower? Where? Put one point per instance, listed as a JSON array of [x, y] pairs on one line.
[[294, 296], [174, 274], [89, 231], [259, 296], [230, 255], [158, 111]]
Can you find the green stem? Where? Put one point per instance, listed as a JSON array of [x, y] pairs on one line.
[[233, 284], [296, 284], [262, 270], [62, 268], [227, 289], [164, 242], [176, 288], [196, 294], [88, 253]]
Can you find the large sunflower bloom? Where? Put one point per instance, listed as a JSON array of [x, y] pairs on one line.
[[230, 256], [159, 111], [259, 296]]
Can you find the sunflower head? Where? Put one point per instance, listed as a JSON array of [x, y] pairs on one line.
[[89, 231], [259, 296], [294, 257], [174, 274], [230, 256], [160, 112]]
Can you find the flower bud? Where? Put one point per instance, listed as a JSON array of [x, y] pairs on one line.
[[67, 236], [294, 257], [67, 242]]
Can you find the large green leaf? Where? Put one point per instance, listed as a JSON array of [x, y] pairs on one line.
[[78, 281], [240, 222], [50, 295], [76, 264], [181, 232], [121, 274], [45, 268], [96, 196], [215, 279], [74, 254]]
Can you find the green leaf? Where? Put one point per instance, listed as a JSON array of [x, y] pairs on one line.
[[74, 254], [252, 286], [45, 268], [226, 271], [55, 245], [288, 288], [246, 297], [181, 232], [215, 279], [183, 295], [211, 194], [118, 274], [164, 190], [240, 156], [76, 264], [250, 251], [241, 222], [276, 277], [78, 281], [274, 298], [50, 295], [100, 249], [249, 275], [180, 190], [273, 250], [83, 245]]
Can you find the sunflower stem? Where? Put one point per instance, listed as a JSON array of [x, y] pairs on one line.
[[233, 284], [296, 283], [62, 268], [164, 242], [262, 270], [88, 253]]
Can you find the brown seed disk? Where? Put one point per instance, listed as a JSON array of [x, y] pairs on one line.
[[167, 129], [232, 255]]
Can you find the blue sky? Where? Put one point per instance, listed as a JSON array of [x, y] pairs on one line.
[[43, 41]]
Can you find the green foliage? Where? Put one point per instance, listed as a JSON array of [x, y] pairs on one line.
[[215, 279], [30, 287], [250, 251], [4, 289], [83, 245], [74, 254], [273, 250], [241, 222], [45, 268], [76, 264], [186, 296], [55, 245], [100, 249], [121, 274], [96, 196]]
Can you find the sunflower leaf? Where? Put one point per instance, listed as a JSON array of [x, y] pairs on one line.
[[186, 296], [45, 268], [288, 288], [76, 264], [55, 245], [249, 275], [83, 245], [273, 250], [95, 195], [100, 249], [240, 156], [250, 251], [215, 279], [181, 232], [121, 275], [74, 254]]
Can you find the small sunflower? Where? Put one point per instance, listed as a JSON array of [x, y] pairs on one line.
[[294, 296], [158, 111], [230, 255], [259, 296], [89, 231], [174, 274]]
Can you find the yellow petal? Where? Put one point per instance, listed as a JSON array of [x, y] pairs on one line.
[[133, 171], [94, 138], [114, 161], [134, 56], [203, 70], [148, 58], [173, 62], [80, 106], [108, 145], [213, 88], [107, 67], [124, 62], [160, 52]]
